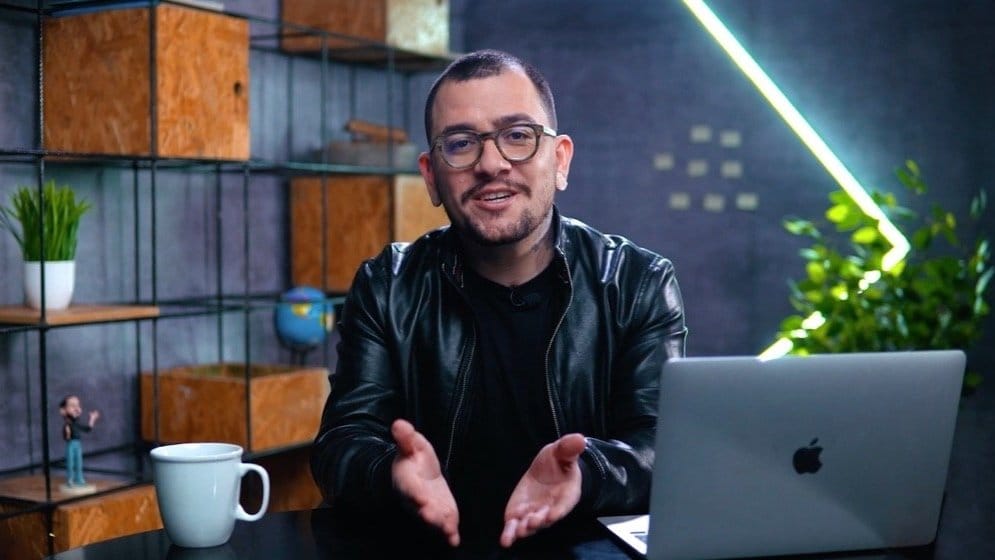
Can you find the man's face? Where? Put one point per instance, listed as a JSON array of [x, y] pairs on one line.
[[495, 202], [73, 409]]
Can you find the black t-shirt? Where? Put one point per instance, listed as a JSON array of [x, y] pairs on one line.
[[509, 415]]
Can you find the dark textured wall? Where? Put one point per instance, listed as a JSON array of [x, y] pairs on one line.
[[881, 81]]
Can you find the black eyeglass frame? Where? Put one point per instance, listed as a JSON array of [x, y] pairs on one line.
[[540, 130]]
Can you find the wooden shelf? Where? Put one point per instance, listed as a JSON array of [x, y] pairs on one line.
[[73, 524], [77, 314]]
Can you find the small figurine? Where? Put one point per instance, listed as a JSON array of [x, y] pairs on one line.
[[71, 411]]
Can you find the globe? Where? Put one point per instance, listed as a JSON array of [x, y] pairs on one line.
[[303, 318]]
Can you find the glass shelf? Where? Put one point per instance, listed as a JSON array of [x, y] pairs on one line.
[[147, 162], [30, 489], [373, 55]]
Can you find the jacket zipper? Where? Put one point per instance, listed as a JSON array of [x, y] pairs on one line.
[[464, 382], [462, 378], [549, 348], [549, 386]]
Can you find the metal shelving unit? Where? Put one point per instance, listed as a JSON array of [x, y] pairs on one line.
[[146, 311]]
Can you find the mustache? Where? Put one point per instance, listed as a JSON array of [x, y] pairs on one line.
[[475, 190]]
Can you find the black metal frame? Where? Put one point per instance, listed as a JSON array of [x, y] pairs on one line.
[[391, 60]]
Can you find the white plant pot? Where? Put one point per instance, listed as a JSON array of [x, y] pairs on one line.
[[60, 276]]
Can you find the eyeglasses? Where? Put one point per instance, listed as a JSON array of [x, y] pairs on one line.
[[462, 149]]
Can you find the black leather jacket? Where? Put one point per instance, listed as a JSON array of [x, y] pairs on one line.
[[407, 350]]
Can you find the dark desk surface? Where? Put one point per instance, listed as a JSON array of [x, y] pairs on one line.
[[324, 535]]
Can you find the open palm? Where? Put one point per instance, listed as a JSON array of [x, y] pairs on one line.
[[547, 492], [417, 476]]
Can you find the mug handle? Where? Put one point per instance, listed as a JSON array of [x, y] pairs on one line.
[[244, 469]]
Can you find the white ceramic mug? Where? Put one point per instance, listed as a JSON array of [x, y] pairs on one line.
[[197, 486]]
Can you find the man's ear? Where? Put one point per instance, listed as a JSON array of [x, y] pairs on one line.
[[428, 174], [564, 154]]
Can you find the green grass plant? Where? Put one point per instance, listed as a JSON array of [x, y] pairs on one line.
[[46, 218]]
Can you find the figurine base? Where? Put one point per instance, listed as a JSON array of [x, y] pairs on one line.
[[77, 489]]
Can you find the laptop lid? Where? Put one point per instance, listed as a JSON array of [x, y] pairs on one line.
[[801, 454]]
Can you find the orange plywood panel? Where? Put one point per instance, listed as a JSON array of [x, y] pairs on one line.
[[74, 524], [413, 211], [292, 486], [354, 226], [208, 403], [97, 83], [106, 517], [415, 25]]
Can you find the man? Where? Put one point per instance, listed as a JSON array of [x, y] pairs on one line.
[[71, 409], [499, 375]]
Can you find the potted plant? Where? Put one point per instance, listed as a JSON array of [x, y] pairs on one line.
[[45, 223], [935, 298]]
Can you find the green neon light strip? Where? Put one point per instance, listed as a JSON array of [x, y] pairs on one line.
[[811, 139]]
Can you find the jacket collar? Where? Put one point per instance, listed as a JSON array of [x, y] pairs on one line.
[[452, 261]]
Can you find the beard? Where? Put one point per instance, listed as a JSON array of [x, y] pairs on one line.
[[478, 231], [518, 231]]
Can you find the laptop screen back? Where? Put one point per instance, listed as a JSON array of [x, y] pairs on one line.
[[797, 455]]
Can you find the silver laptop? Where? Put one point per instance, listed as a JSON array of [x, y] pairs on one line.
[[798, 454]]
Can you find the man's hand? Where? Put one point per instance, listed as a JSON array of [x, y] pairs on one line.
[[417, 475], [547, 492]]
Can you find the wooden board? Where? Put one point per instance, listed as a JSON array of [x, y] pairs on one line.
[[207, 403], [85, 61], [362, 214], [291, 485], [416, 25], [203, 89], [22, 536], [76, 314], [356, 226], [75, 524], [106, 517], [413, 211], [97, 83]]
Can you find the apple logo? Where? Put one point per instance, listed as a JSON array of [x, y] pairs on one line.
[[806, 459]]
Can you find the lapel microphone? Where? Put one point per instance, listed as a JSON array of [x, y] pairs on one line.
[[523, 301]]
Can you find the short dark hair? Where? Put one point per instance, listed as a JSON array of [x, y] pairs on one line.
[[484, 64]]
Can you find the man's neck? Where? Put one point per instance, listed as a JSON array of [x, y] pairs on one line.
[[516, 263]]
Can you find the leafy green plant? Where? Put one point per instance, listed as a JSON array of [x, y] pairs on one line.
[[936, 298], [55, 207]]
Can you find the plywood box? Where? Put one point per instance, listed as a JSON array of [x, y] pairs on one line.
[[208, 403], [416, 25], [412, 210], [97, 85], [292, 486], [362, 213], [79, 523]]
